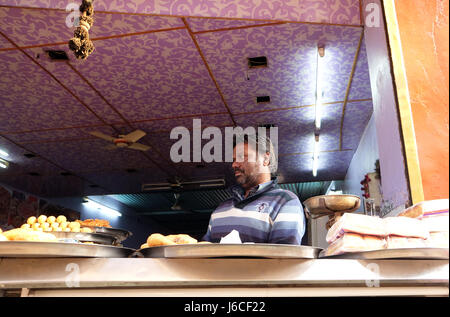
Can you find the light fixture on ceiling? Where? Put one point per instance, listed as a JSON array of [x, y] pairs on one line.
[[3, 153], [315, 155], [102, 208], [4, 163], [319, 82]]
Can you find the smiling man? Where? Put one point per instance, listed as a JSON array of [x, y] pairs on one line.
[[259, 210]]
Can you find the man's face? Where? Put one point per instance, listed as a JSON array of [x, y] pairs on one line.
[[246, 165]]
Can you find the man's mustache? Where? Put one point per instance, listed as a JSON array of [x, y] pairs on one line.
[[238, 170]]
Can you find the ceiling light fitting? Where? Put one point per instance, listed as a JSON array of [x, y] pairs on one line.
[[319, 88], [4, 163], [102, 208], [4, 153], [316, 156]]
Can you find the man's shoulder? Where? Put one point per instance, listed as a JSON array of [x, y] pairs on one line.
[[283, 193]]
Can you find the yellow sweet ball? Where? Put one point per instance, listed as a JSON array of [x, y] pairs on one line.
[[42, 218], [51, 219], [31, 220], [45, 225], [57, 229], [38, 229], [75, 229], [49, 229], [66, 229], [61, 219], [36, 225], [25, 226], [63, 225], [54, 225], [86, 230], [74, 224]]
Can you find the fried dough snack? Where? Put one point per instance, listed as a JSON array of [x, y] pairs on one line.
[[157, 239], [29, 235], [2, 237], [94, 223], [181, 238]]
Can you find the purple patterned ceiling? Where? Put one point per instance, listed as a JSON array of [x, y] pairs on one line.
[[160, 64]]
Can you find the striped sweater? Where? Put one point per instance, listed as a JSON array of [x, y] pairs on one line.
[[268, 215]]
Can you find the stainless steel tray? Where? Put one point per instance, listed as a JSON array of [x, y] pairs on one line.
[[407, 253], [216, 250], [120, 234], [98, 238], [28, 249]]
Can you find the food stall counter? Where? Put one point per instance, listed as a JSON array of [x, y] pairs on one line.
[[222, 277]]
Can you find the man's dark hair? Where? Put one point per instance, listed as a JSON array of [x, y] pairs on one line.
[[263, 145]]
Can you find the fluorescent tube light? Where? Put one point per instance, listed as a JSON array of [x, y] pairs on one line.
[[319, 88], [102, 208], [3, 153], [4, 164], [315, 156]]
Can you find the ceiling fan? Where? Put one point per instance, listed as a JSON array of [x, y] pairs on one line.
[[179, 185], [124, 141]]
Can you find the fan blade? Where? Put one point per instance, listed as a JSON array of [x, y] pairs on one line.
[[139, 146], [134, 136], [102, 136], [111, 147]]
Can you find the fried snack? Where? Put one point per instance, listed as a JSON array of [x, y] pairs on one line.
[[66, 229], [181, 239], [42, 218], [143, 246], [29, 235], [2, 237], [75, 229], [25, 226], [45, 225], [54, 225], [31, 220], [63, 225], [157, 239], [61, 219], [51, 219], [94, 223], [86, 230], [36, 225], [74, 224]]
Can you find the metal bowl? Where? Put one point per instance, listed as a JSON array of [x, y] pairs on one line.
[[326, 205], [119, 234], [97, 238]]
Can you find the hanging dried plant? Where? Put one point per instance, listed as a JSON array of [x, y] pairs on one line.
[[80, 44]]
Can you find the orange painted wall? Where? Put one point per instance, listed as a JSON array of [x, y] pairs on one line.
[[424, 32]]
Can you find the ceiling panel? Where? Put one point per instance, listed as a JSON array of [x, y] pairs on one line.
[[332, 165], [31, 99], [90, 155], [360, 88], [202, 25], [58, 135], [30, 27], [317, 11], [166, 125], [357, 115], [152, 75], [291, 50]]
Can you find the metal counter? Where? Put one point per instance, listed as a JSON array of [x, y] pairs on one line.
[[232, 277]]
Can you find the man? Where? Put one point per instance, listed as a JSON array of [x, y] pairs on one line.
[[258, 210]]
